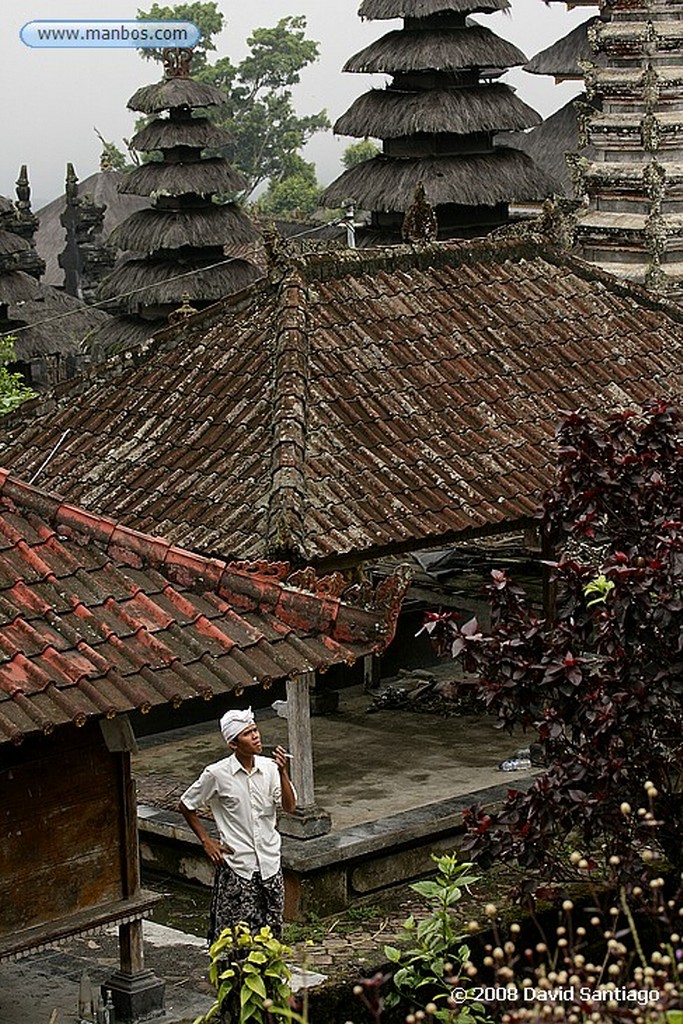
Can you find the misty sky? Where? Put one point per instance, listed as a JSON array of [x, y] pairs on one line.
[[52, 99]]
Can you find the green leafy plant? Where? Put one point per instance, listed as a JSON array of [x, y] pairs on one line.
[[13, 389], [437, 953], [250, 977], [600, 587]]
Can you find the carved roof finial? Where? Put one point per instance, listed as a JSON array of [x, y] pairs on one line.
[[23, 190], [71, 186], [177, 62], [179, 315], [278, 254], [420, 226], [105, 161]]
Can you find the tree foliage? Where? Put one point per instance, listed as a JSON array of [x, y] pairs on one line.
[[13, 390], [296, 193], [358, 152], [258, 112], [601, 684], [202, 13]]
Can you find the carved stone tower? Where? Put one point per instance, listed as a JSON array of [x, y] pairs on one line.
[[634, 223]]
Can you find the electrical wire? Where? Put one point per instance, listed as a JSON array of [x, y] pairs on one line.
[[136, 291]]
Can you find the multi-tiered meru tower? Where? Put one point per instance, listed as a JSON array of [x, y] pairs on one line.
[[437, 119]]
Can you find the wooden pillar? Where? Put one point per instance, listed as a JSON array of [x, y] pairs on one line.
[[136, 992], [308, 820], [370, 673]]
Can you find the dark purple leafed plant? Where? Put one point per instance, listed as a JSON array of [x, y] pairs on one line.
[[601, 685]]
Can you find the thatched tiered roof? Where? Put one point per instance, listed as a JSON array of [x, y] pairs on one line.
[[485, 179], [162, 133], [214, 225], [175, 92], [561, 59], [391, 113], [437, 119], [382, 10], [157, 282], [202, 177], [187, 236], [435, 50]]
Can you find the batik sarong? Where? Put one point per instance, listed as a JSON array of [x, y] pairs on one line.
[[255, 900]]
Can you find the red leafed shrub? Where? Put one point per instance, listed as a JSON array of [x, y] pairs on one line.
[[601, 685]]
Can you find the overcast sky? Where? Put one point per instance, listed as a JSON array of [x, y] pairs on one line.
[[52, 99]]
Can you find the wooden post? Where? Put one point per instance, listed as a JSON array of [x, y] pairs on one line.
[[370, 673], [308, 820], [301, 738], [137, 993]]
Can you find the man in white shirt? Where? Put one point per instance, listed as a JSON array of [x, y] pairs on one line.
[[243, 791]]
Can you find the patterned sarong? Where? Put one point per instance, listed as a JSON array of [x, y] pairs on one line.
[[253, 900]]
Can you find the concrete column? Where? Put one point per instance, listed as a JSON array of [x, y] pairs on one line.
[[308, 820]]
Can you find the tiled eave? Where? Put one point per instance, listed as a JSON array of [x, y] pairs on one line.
[[98, 620]]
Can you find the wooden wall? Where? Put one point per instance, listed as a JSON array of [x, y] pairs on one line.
[[60, 827]]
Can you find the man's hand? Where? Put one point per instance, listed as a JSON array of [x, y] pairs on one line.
[[280, 758], [215, 850]]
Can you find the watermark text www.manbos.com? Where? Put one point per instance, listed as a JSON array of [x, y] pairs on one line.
[[110, 34]]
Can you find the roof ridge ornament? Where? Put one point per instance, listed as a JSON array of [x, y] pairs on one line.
[[420, 224], [177, 62], [280, 260]]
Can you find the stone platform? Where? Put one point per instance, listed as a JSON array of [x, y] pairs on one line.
[[395, 783]]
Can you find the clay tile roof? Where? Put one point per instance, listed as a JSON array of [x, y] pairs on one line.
[[97, 619], [365, 402]]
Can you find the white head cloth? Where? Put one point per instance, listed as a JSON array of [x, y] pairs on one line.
[[234, 722]]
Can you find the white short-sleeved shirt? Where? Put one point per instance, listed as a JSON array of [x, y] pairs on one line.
[[244, 806]]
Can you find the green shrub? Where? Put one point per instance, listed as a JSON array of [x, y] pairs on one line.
[[250, 976]]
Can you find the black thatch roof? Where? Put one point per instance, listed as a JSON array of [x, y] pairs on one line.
[[388, 113], [436, 50], [103, 190], [163, 286], [6, 205], [11, 243], [175, 92], [560, 59], [47, 335], [16, 286], [548, 143], [388, 184], [150, 230], [201, 177], [166, 134], [121, 332], [380, 10]]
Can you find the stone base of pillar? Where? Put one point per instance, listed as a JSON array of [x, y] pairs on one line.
[[135, 996], [305, 824]]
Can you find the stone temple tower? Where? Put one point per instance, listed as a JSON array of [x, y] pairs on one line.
[[634, 223]]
